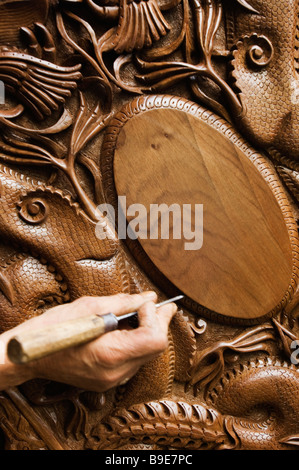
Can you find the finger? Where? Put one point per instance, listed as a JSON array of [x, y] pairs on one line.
[[152, 317], [151, 338], [108, 380], [118, 304], [121, 375], [147, 341], [166, 314]]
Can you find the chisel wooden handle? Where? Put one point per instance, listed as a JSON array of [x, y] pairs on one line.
[[32, 345]]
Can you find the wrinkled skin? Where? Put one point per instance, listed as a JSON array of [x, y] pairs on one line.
[[269, 93]]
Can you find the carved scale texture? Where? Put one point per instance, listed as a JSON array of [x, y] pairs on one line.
[[253, 406], [268, 387], [165, 423], [26, 274], [271, 115]]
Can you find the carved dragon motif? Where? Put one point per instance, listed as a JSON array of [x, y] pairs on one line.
[[265, 70], [252, 403], [260, 397]]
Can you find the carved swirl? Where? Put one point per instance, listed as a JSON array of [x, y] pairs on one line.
[[261, 52], [34, 211]]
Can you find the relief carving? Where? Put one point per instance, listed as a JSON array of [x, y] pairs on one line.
[[180, 101]]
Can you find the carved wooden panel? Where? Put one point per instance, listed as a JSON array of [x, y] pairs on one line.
[[174, 102]]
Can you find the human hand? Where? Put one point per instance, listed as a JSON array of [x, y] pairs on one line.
[[105, 362]]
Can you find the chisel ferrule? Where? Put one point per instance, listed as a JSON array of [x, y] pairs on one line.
[[110, 321]]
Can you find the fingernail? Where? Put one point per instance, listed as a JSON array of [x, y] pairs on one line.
[[175, 308]]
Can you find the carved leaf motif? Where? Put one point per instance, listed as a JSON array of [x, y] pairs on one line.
[[207, 375], [41, 86], [19, 434], [140, 24], [42, 151]]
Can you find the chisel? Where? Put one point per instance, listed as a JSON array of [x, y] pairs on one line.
[[32, 345]]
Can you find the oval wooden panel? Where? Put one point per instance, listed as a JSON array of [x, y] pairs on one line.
[[179, 154]]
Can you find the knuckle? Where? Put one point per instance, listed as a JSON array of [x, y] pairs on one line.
[[162, 343], [110, 379], [106, 383], [158, 342], [110, 361], [84, 301], [123, 295], [89, 304], [124, 298], [151, 341], [108, 358]]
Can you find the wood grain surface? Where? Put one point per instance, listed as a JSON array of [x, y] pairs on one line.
[[244, 267]]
